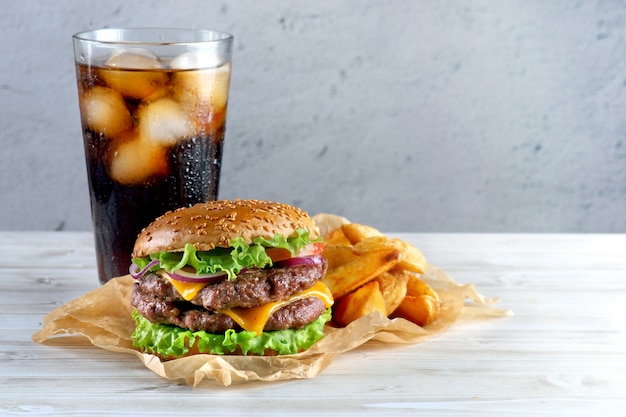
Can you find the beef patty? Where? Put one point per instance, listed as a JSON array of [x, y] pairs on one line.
[[157, 300]]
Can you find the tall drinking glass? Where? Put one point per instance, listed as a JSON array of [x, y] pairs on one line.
[[153, 111]]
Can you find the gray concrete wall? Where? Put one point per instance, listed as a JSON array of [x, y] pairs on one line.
[[501, 116]]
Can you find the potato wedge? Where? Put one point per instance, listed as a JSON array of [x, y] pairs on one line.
[[416, 287], [421, 309], [336, 237], [356, 232], [393, 287], [338, 255], [359, 303], [411, 258], [350, 276]]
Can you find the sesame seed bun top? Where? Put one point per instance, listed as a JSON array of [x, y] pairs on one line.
[[215, 223]]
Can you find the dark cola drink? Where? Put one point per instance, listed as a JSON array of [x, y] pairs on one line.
[[153, 133]]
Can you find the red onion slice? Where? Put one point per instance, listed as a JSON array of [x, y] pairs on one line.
[[184, 276], [307, 260], [136, 273]]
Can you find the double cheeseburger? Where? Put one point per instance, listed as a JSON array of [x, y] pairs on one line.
[[229, 277]]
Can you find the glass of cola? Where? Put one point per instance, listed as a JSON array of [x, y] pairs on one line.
[[153, 112]]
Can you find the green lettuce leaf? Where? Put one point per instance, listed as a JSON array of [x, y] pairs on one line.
[[231, 260], [171, 341]]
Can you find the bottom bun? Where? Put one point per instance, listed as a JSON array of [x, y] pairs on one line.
[[172, 342]]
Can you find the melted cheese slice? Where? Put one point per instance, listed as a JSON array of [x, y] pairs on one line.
[[254, 318], [188, 290]]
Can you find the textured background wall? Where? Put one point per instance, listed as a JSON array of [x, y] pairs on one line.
[[407, 115]]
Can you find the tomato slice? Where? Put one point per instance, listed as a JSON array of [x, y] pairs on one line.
[[280, 254], [312, 249]]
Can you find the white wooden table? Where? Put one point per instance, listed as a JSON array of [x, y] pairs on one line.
[[562, 353]]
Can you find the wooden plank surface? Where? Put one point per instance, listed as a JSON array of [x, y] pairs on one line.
[[562, 353]]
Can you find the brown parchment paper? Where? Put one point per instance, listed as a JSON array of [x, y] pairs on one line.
[[104, 317]]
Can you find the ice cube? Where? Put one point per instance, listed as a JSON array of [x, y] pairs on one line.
[[158, 94], [203, 87], [210, 123], [196, 60], [134, 74], [134, 59], [164, 122], [104, 111], [133, 161]]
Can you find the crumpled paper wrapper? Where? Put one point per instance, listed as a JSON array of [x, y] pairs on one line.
[[104, 317]]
